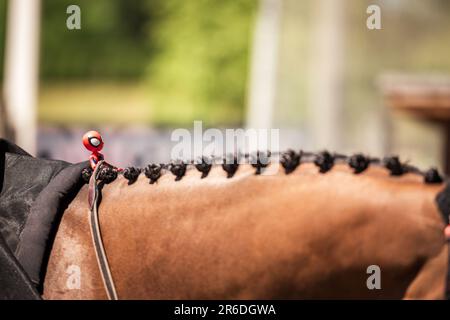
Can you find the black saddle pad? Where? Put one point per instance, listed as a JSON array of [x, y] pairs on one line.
[[33, 196]]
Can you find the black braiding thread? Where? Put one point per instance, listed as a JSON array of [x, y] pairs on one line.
[[338, 156], [394, 165], [107, 173], [204, 167], [432, 176], [131, 174], [178, 170], [358, 163], [325, 161], [86, 174], [230, 168], [258, 164], [290, 160], [153, 172]]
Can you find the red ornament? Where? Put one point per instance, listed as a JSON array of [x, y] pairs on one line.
[[93, 141]]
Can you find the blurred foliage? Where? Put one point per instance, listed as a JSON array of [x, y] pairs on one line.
[[192, 55], [112, 43], [201, 66]]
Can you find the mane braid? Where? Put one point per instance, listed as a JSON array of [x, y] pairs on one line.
[[358, 163], [204, 167], [107, 173], [230, 168], [289, 160], [394, 165], [153, 172], [325, 161], [258, 164], [178, 169], [131, 174], [432, 176]]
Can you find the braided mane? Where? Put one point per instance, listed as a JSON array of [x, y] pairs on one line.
[[289, 160]]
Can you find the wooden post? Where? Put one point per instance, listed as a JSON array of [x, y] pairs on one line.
[[263, 71], [326, 75], [21, 70], [426, 98]]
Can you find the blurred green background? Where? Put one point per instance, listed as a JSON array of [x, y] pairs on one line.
[[163, 63]]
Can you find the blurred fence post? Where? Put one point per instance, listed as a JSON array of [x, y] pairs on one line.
[[21, 70], [263, 73], [326, 74]]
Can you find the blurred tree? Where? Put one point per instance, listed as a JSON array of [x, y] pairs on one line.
[[200, 67], [194, 53], [112, 42]]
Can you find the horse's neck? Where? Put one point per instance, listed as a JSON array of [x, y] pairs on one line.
[[299, 235]]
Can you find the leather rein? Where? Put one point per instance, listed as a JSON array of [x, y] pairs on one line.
[[102, 260]]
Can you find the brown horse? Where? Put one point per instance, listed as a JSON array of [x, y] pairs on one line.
[[305, 234]]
